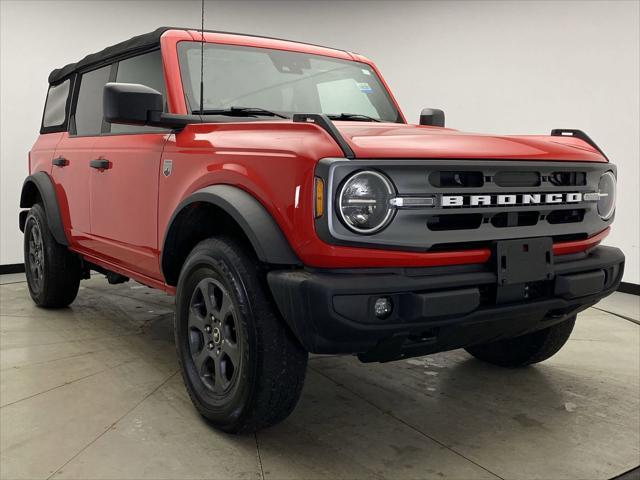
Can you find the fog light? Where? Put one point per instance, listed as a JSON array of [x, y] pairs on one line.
[[383, 307]]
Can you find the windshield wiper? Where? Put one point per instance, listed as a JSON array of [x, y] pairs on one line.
[[352, 116], [240, 112]]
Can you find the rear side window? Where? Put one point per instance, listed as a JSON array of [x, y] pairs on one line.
[[146, 70], [55, 109], [88, 115]]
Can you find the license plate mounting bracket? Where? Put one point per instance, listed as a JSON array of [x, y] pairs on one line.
[[524, 260]]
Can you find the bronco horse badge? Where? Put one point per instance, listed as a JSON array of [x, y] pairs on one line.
[[167, 166]]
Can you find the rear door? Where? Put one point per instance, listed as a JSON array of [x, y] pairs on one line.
[[124, 195], [70, 171]]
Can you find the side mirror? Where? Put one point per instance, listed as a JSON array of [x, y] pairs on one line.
[[135, 104], [131, 103], [432, 116]]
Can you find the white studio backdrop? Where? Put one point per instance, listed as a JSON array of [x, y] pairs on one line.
[[506, 67]]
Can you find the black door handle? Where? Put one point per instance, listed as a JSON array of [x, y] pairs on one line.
[[100, 163], [60, 162]]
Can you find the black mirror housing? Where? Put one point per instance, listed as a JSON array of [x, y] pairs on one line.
[[131, 103], [432, 116], [135, 104]]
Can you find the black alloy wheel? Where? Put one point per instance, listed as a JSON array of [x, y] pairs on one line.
[[35, 256], [214, 343]]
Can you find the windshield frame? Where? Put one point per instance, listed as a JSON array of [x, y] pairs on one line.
[[183, 73]]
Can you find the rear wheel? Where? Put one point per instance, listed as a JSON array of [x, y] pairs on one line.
[[527, 349], [53, 272], [241, 365]]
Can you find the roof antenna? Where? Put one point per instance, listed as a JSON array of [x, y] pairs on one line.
[[202, 61]]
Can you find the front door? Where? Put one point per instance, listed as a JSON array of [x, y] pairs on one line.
[[124, 200], [124, 180]]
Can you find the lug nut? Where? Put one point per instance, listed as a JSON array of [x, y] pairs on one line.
[[210, 345], [207, 328]]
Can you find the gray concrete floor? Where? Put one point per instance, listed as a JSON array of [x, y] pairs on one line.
[[93, 391]]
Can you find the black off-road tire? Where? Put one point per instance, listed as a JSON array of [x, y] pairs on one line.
[[525, 350], [53, 272], [267, 363]]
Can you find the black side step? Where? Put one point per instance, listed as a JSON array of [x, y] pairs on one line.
[[327, 125], [568, 132]]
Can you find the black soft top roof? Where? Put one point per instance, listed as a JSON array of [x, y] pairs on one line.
[[139, 43]]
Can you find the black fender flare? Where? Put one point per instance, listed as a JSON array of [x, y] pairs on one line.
[[42, 183], [258, 225]]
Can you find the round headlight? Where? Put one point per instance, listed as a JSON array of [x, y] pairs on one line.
[[607, 190], [364, 202]]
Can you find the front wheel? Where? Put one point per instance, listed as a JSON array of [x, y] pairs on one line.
[[527, 349], [241, 365]]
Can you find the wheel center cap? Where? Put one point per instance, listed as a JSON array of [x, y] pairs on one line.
[[216, 335]]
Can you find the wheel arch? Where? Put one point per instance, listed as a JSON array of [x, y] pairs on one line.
[[36, 187], [222, 209]]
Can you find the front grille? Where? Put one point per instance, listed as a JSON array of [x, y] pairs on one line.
[[474, 202]]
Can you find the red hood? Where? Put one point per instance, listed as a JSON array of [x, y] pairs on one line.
[[394, 140]]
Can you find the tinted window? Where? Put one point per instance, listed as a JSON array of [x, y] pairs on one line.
[[88, 117], [144, 69], [55, 110]]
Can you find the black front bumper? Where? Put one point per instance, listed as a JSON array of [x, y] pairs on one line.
[[437, 308]]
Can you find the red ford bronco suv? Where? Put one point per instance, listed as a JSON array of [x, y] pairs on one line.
[[277, 190]]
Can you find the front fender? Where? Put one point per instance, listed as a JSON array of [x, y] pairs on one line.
[[40, 185], [263, 233]]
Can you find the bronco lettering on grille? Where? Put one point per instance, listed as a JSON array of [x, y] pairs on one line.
[[511, 199]]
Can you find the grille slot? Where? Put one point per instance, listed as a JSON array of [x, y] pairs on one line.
[[517, 179], [568, 179], [445, 179], [570, 237], [515, 219], [566, 216], [460, 221]]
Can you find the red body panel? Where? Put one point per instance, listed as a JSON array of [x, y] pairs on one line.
[[124, 200], [118, 217], [43, 151], [72, 186], [392, 140]]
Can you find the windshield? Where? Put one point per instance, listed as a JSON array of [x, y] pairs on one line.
[[282, 82]]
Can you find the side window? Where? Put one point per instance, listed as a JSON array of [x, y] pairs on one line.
[[55, 108], [88, 116], [146, 70]]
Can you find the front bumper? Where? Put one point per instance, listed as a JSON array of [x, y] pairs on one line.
[[435, 308]]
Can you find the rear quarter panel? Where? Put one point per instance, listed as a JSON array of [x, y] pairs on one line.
[[42, 152]]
